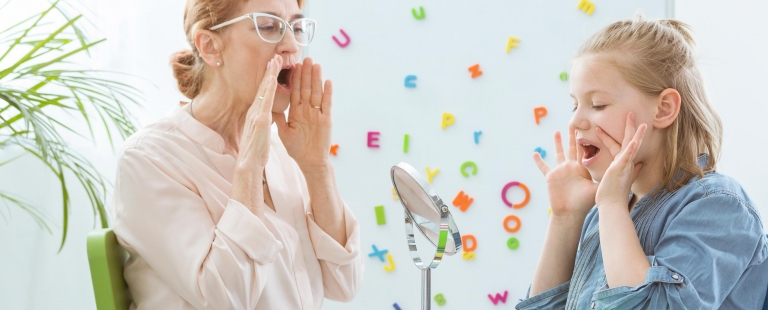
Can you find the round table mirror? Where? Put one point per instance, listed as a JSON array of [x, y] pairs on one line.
[[424, 210]]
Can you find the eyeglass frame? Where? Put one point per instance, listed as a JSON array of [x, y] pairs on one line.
[[252, 16]]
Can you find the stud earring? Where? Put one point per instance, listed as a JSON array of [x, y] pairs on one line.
[[218, 63]]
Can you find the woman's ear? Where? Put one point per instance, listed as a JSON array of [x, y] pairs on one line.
[[209, 46], [667, 108]]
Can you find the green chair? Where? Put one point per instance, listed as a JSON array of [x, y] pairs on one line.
[[106, 258]]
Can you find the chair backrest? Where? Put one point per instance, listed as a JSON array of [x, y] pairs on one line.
[[106, 258]]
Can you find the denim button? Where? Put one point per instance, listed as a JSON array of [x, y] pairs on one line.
[[675, 276], [592, 305]]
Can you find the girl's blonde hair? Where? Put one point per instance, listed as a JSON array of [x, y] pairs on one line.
[[654, 56], [188, 68]]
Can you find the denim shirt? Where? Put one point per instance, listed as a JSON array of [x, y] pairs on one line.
[[704, 241]]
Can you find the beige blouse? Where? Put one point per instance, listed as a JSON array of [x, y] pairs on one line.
[[191, 246]]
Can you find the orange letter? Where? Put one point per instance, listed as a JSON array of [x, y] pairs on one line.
[[539, 113], [464, 240], [462, 201]]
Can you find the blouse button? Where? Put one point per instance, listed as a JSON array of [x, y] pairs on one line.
[[592, 305], [675, 276]]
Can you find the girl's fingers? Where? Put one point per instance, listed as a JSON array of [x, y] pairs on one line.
[[613, 147], [638, 138], [327, 98], [629, 129], [316, 97], [540, 163], [560, 155], [571, 144]]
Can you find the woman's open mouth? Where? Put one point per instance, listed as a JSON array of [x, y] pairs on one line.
[[284, 78], [590, 153]]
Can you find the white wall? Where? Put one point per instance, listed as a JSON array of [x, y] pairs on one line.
[[142, 34]]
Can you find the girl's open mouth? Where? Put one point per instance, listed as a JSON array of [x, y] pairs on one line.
[[590, 153], [284, 78]]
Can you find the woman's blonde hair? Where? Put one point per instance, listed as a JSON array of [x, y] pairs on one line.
[[188, 68], [654, 56]]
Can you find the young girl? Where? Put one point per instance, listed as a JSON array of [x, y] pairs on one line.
[[659, 229]]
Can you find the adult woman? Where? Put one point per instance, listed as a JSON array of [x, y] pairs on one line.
[[215, 211]]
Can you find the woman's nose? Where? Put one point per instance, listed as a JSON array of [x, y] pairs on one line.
[[288, 44]]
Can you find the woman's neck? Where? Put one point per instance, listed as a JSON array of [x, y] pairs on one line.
[[222, 113]]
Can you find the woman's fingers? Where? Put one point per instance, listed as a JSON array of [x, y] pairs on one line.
[[327, 98], [266, 104], [559, 153], [613, 147], [296, 85], [540, 163], [571, 144], [306, 81], [316, 97]]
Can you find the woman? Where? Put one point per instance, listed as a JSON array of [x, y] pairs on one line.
[[215, 211]]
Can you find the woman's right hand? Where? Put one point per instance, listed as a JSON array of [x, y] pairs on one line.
[[570, 186], [254, 142]]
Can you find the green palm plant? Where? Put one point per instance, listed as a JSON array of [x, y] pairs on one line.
[[38, 86]]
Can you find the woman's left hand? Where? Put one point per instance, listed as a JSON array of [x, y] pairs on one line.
[[616, 183], [307, 133]]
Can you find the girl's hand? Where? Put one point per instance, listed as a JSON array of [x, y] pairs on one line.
[[254, 145], [307, 134], [616, 183], [570, 186]]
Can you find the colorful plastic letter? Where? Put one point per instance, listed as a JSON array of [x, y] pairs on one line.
[[468, 255], [541, 152], [586, 6], [334, 148], [512, 43], [342, 45], [468, 164], [420, 14], [391, 266], [440, 299], [564, 76], [539, 112], [431, 174], [498, 297], [462, 201], [396, 306], [405, 143], [475, 70], [477, 136], [448, 120], [465, 239], [394, 194], [513, 243], [509, 204], [512, 218], [373, 139], [409, 81], [378, 253], [381, 219]]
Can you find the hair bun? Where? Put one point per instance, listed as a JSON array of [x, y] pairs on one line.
[[189, 81]]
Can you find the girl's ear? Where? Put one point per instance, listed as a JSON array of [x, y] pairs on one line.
[[209, 46], [667, 108]]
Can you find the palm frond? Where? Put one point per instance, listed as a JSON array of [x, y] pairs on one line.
[[41, 92]]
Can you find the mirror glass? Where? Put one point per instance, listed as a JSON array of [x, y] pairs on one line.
[[426, 211]]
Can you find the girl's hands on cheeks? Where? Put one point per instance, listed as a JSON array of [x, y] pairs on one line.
[[616, 183], [570, 186], [307, 133]]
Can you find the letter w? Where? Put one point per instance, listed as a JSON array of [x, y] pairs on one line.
[[498, 297], [462, 201]]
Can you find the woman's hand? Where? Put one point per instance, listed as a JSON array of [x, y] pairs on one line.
[[570, 186], [616, 183], [254, 142], [307, 133]]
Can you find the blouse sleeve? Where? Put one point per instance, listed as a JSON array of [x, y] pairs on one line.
[[212, 265], [700, 257], [554, 298]]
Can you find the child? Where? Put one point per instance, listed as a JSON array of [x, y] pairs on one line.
[[666, 230]]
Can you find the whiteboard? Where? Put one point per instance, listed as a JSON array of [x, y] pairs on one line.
[[386, 44]]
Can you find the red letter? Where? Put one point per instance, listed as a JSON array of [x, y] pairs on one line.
[[373, 136]]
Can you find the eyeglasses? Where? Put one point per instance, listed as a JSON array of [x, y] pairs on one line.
[[271, 28]]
